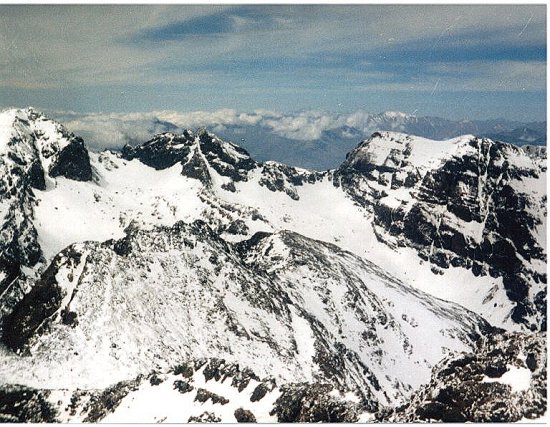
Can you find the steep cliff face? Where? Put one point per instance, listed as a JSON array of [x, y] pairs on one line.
[[466, 202]]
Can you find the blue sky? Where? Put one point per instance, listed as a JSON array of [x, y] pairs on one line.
[[452, 61]]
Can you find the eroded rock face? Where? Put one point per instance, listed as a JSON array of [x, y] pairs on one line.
[[468, 202], [504, 380]]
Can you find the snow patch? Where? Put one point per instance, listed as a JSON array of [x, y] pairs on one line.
[[517, 378]]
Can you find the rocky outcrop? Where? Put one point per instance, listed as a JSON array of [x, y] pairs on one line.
[[313, 403], [504, 380], [279, 177], [73, 162]]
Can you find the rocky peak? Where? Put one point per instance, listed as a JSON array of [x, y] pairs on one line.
[[196, 152], [468, 202], [34, 150], [29, 138], [225, 157], [163, 151]]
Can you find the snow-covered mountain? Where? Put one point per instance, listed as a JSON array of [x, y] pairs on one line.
[[114, 266], [466, 202]]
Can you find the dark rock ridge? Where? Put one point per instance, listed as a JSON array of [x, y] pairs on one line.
[[473, 387], [201, 151], [287, 281], [470, 387], [305, 402], [194, 151], [313, 403], [473, 209]]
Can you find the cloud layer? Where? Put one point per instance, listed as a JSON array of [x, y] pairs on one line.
[[113, 130]]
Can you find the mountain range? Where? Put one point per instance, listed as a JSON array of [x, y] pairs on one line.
[[181, 280], [306, 139]]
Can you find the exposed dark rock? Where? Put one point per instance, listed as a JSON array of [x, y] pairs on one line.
[[279, 177], [161, 152], [229, 186], [19, 404], [312, 403], [226, 158], [73, 162], [155, 379], [237, 227], [197, 168], [466, 388], [183, 386], [244, 416], [261, 390], [203, 395], [102, 403], [36, 176], [69, 318], [185, 370], [205, 417]]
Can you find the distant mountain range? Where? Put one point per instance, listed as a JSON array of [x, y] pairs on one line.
[[307, 139], [329, 149]]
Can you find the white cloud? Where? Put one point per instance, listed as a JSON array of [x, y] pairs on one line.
[[113, 130]]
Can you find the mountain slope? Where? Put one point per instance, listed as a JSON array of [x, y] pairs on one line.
[[282, 305], [465, 206], [33, 151], [185, 248]]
